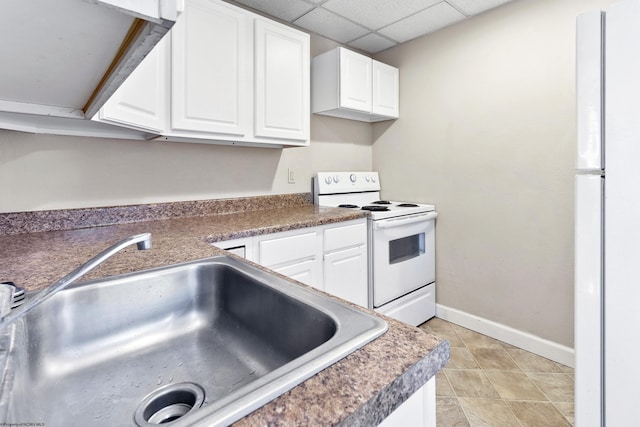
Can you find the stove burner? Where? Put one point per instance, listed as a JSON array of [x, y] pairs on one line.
[[408, 205], [381, 202], [375, 208], [346, 205]]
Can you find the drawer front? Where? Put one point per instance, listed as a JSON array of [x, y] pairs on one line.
[[345, 237], [288, 249]]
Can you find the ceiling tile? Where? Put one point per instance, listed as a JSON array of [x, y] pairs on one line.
[[330, 25], [371, 25], [472, 7], [372, 43], [424, 22], [287, 10], [376, 14]]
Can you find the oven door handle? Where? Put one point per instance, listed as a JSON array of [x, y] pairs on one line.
[[397, 222]]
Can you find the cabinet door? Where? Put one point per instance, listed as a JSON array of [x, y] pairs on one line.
[[345, 274], [386, 81], [141, 101], [296, 254], [281, 82], [211, 69], [307, 272], [355, 81]]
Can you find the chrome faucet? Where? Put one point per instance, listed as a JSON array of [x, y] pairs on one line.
[[143, 241]]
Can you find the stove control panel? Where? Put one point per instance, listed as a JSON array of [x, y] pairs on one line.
[[345, 182]]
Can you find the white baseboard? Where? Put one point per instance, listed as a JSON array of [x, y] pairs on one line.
[[540, 346]]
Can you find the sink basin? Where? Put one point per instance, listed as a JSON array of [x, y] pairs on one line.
[[196, 344]]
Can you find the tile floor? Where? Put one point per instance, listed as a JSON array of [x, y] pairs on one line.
[[491, 383]]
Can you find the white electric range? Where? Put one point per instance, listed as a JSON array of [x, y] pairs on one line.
[[401, 244]]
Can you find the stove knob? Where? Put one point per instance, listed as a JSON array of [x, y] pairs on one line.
[[353, 178], [373, 178], [327, 179], [366, 178], [336, 178]]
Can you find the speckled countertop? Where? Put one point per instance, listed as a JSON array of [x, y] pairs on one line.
[[361, 389], [35, 260]]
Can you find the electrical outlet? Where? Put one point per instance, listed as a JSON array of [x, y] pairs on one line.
[[291, 176]]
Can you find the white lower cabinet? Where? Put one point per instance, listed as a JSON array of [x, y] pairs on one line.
[[345, 262], [296, 254], [419, 410], [307, 272], [242, 247], [345, 274], [332, 258]]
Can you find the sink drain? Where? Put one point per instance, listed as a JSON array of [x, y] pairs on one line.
[[169, 403]]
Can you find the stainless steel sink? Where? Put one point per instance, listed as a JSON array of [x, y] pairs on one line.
[[202, 343]]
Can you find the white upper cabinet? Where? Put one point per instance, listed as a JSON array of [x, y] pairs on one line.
[[141, 102], [237, 77], [210, 70], [281, 82], [355, 81], [63, 63], [349, 85], [385, 90], [234, 78]]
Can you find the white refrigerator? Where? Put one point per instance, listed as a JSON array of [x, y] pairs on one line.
[[607, 226]]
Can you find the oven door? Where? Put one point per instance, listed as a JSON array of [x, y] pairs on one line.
[[403, 256]]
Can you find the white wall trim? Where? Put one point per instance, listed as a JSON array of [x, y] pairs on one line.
[[540, 346]]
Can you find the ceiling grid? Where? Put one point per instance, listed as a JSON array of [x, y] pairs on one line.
[[371, 25]]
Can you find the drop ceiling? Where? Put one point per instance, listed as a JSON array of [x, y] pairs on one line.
[[371, 25]]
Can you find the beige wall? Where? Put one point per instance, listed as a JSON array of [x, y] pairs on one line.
[[54, 172], [487, 133]]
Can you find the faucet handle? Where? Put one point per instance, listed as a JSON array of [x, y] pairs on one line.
[[11, 296]]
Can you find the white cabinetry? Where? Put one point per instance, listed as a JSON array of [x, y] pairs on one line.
[[349, 85], [355, 80], [235, 77], [281, 82], [332, 258], [210, 70], [63, 63], [419, 410], [305, 271], [242, 247], [345, 262], [238, 77], [296, 254], [385, 87], [141, 101]]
